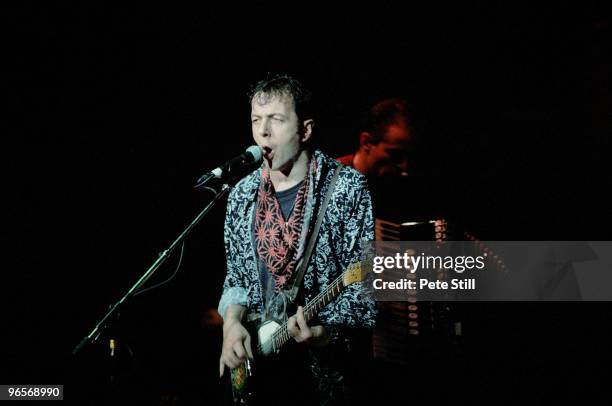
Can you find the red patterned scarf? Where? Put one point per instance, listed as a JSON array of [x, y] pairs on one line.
[[278, 240]]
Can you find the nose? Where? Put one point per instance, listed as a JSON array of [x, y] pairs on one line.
[[262, 128]]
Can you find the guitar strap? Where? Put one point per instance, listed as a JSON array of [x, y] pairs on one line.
[[303, 264]]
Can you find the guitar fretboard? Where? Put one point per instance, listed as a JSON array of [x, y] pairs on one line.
[[281, 336]]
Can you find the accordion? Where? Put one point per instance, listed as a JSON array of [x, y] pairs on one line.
[[414, 325]]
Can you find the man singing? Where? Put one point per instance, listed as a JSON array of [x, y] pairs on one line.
[[270, 218]]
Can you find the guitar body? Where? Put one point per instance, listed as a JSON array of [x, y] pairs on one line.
[[259, 381], [265, 332], [242, 384], [243, 379], [275, 376]]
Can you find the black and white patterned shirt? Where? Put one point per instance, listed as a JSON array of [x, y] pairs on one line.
[[347, 225]]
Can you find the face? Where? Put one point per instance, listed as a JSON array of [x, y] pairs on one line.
[[390, 156], [276, 130]]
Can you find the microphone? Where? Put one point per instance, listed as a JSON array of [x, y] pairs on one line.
[[252, 156]]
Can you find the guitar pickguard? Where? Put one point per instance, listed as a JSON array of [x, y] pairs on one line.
[[264, 336]]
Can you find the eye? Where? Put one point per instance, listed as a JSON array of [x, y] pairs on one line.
[[254, 120]]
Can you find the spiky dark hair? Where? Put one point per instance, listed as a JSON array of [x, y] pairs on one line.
[[286, 85]]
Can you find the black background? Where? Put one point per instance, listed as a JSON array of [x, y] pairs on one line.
[[113, 112]]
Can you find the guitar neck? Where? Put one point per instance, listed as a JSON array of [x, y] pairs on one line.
[[281, 336], [323, 299]]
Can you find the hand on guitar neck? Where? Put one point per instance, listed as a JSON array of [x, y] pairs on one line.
[[301, 332], [237, 340]]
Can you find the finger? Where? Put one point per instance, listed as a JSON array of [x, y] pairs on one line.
[[221, 366], [239, 350], [247, 344], [229, 356], [231, 360], [300, 318], [305, 332], [317, 331], [292, 326]]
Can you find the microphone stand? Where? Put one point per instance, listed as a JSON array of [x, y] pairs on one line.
[[163, 256]]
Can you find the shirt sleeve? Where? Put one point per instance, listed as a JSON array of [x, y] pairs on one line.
[[234, 287]]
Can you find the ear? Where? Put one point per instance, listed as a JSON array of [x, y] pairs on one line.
[[366, 140], [307, 127]]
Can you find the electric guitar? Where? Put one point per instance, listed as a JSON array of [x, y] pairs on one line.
[[271, 335]]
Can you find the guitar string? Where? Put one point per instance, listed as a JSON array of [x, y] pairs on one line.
[[281, 335]]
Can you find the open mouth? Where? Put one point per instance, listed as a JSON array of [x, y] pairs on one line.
[[268, 153]]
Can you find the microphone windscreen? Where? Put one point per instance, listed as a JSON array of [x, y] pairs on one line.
[[256, 152]]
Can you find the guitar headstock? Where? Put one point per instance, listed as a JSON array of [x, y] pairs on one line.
[[357, 272]]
